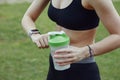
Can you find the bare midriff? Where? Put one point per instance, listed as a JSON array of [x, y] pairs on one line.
[[79, 38]]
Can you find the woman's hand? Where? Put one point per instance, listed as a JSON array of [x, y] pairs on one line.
[[40, 40], [71, 55]]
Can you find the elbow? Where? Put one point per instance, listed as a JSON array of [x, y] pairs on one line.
[[26, 20], [115, 33], [23, 20], [117, 37]]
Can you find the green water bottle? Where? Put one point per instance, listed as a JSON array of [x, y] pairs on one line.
[[58, 40]]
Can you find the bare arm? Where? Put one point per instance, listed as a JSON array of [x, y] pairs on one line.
[[28, 22], [111, 21], [32, 14]]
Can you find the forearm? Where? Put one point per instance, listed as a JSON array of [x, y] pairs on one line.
[[106, 45], [32, 13], [28, 24]]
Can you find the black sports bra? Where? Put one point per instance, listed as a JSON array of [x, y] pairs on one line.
[[74, 17]]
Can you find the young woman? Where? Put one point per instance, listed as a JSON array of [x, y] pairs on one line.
[[79, 20]]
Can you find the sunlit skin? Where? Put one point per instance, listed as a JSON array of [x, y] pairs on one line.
[[79, 40]]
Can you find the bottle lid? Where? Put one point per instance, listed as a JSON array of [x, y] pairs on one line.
[[57, 39]]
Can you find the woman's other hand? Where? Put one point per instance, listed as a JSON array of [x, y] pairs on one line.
[[41, 40], [71, 55]]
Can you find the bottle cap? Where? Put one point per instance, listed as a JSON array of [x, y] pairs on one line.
[[57, 39]]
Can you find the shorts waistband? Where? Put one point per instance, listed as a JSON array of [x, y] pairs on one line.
[[87, 60]]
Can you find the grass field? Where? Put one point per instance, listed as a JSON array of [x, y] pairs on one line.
[[20, 59]]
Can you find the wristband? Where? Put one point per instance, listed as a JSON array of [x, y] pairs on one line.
[[34, 31], [90, 51]]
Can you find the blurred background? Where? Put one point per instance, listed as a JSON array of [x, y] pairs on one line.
[[14, 1], [20, 59]]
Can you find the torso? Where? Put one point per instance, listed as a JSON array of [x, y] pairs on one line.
[[78, 38]]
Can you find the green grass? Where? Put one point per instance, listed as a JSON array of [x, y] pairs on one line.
[[20, 59]]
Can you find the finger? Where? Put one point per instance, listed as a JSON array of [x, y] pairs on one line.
[[66, 60], [65, 63], [38, 44], [45, 41], [65, 50], [58, 56], [42, 43]]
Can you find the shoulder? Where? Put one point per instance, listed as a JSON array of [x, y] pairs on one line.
[[100, 3], [107, 14]]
